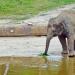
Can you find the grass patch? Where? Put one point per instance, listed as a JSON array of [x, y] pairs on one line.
[[29, 8]]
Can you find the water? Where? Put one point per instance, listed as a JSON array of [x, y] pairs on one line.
[[20, 56], [27, 46], [51, 65]]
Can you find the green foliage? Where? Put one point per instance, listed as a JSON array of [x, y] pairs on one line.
[[29, 7]]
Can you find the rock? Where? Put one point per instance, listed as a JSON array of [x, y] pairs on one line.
[[23, 30]]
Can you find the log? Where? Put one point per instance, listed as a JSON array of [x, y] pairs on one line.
[[25, 29]]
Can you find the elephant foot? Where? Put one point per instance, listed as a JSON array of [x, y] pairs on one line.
[[65, 52], [45, 54], [71, 54]]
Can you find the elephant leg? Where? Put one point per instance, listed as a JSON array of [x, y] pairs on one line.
[[71, 46], [62, 40], [49, 37], [47, 45]]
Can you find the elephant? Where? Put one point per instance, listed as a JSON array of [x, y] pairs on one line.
[[62, 26]]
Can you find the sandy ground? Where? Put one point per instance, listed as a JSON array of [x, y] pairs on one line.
[[26, 46]]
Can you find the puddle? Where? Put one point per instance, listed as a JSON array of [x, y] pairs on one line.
[[2, 67], [19, 56], [51, 65], [27, 46]]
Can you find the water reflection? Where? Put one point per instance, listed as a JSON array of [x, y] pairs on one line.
[[71, 66], [57, 65], [2, 67], [50, 65]]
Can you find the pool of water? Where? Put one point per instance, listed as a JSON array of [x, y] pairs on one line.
[[27, 46], [20, 56], [50, 65]]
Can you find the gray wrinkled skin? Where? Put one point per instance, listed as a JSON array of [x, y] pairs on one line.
[[62, 26]]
